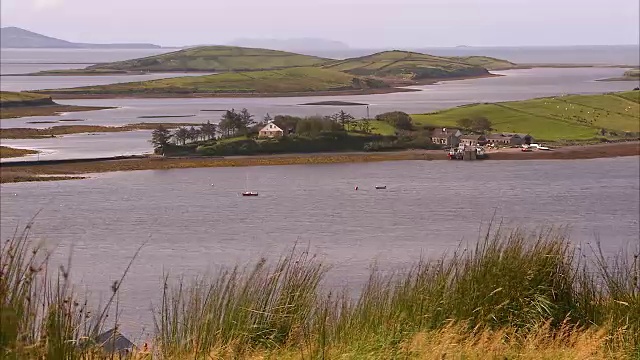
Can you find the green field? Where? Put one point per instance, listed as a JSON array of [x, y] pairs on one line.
[[214, 58], [292, 80], [575, 117], [15, 97], [416, 66]]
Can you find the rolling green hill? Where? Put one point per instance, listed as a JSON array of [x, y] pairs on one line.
[[415, 66], [574, 117], [291, 80], [214, 59]]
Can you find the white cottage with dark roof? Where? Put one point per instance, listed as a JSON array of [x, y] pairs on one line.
[[271, 130]]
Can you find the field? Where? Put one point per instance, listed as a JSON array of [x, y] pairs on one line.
[[511, 294], [566, 118], [416, 66], [292, 80], [8, 152]]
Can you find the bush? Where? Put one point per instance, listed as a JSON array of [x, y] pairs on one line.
[[397, 119]]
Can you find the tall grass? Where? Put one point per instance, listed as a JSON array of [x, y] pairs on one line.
[[513, 295]]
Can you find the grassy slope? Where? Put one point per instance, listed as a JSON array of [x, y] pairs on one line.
[[10, 96], [416, 66], [214, 58], [305, 79], [576, 117]]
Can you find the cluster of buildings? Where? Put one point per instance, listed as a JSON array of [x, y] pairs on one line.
[[455, 138]]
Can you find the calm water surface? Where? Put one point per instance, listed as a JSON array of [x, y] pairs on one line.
[[192, 227]]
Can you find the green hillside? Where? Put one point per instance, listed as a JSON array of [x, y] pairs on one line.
[[292, 80], [415, 66], [214, 59], [575, 117]]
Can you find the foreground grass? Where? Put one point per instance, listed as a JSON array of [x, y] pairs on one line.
[[575, 117], [514, 295], [9, 152]]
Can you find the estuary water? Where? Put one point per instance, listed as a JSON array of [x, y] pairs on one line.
[[194, 221]]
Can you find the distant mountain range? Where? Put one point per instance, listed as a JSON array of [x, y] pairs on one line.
[[14, 37], [293, 45]]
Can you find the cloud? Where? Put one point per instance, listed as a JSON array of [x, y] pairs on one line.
[[46, 4]]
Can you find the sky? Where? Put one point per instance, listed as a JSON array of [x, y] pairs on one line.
[[358, 23]]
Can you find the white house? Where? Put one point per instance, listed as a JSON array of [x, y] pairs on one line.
[[271, 130]]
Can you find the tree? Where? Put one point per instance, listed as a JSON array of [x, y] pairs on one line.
[[181, 135], [480, 124], [365, 125], [343, 119], [267, 119], [208, 130], [160, 138], [194, 134], [230, 122], [245, 121], [464, 123], [397, 119]]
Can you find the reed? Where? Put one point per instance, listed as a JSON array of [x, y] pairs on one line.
[[512, 294]]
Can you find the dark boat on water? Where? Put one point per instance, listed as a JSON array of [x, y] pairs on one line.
[[250, 193], [381, 187]]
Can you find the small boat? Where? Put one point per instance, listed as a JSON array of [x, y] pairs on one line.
[[246, 191], [381, 187]]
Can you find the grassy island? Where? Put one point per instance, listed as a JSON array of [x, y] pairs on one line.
[[22, 104], [300, 80], [250, 72]]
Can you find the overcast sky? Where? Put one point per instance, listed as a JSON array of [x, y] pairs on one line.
[[359, 23]]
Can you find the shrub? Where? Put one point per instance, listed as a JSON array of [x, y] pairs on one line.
[[398, 119]]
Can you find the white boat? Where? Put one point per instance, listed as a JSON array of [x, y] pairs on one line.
[[247, 192]]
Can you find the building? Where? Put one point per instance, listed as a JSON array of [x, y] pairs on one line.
[[504, 139], [271, 130], [473, 140], [444, 136]]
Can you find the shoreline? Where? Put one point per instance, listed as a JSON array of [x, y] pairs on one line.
[[11, 172], [397, 87]]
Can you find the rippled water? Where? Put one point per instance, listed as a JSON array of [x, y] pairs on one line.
[[191, 226]]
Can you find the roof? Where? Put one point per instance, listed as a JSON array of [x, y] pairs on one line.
[[444, 133], [271, 126], [501, 136], [472, 137], [113, 341]]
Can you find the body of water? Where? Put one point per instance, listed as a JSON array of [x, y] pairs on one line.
[[191, 227], [514, 85]]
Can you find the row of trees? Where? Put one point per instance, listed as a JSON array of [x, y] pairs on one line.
[[241, 123], [161, 136]]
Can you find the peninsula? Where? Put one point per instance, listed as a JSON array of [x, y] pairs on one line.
[[21, 104]]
